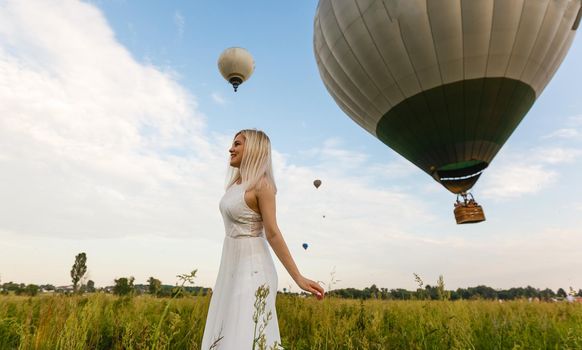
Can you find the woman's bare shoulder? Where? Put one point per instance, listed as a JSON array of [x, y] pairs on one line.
[[264, 188]]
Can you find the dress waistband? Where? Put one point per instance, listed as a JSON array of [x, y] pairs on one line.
[[242, 236]]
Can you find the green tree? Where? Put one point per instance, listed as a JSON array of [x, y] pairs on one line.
[[420, 291], [154, 286], [123, 286], [482, 292], [31, 290], [384, 294], [19, 291], [90, 286], [374, 291], [401, 294], [10, 286], [442, 293], [79, 269], [547, 294], [561, 293]]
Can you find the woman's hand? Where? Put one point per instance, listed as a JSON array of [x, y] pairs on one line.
[[310, 286]]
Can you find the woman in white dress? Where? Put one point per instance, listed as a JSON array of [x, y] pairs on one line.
[[246, 266]]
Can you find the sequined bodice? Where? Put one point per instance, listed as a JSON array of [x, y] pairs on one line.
[[239, 220]]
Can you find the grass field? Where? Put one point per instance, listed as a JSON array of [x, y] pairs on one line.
[[103, 321]]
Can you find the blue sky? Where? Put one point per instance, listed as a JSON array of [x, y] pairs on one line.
[[114, 131]]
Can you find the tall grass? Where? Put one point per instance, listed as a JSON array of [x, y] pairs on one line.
[[102, 321], [376, 324]]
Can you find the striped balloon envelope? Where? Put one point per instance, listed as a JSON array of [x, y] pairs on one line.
[[442, 82]]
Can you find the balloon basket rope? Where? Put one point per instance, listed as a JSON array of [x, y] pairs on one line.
[[467, 210]]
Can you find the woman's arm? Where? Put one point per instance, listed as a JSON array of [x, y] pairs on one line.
[[266, 202]]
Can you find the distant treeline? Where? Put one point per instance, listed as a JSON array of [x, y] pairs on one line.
[[120, 289], [437, 293], [125, 287]]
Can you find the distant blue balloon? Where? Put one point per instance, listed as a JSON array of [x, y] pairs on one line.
[[305, 245]]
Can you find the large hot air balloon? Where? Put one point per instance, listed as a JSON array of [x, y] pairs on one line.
[[236, 65], [443, 83]]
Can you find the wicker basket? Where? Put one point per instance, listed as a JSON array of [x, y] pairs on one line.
[[468, 211]]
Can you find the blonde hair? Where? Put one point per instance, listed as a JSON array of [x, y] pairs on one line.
[[256, 168]]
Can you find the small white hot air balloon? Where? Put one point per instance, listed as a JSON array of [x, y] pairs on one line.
[[236, 65]]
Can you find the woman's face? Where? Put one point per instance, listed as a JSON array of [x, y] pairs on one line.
[[237, 150]]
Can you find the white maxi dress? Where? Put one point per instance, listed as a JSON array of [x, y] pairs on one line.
[[245, 265]]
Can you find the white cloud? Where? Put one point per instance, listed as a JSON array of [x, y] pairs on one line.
[[180, 23], [98, 149], [332, 156], [505, 257], [218, 98], [398, 169], [555, 155], [564, 133], [576, 120], [541, 259], [517, 174], [516, 179], [88, 136]]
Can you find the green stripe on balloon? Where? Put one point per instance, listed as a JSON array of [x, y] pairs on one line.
[[456, 127]]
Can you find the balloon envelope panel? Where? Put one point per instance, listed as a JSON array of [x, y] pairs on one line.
[[443, 83]]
